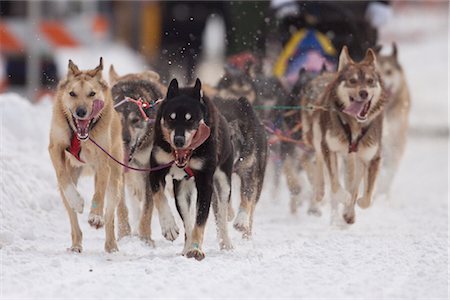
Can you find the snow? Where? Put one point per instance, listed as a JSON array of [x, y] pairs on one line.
[[396, 249]]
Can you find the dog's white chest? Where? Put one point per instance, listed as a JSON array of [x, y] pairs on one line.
[[367, 153], [177, 173], [335, 144]]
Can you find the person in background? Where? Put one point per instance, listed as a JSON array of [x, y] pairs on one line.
[[351, 23]]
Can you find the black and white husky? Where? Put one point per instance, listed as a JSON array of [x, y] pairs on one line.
[[190, 132]]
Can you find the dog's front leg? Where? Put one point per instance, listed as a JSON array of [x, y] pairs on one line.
[[355, 171], [204, 185], [122, 214], [290, 169], [65, 183], [66, 186], [339, 194], [115, 195], [145, 222], [183, 190], [102, 176], [221, 197], [370, 177], [169, 228]]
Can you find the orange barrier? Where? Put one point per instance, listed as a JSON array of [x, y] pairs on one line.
[[57, 35], [8, 43]]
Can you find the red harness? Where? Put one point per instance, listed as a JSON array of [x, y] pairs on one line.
[[75, 147]]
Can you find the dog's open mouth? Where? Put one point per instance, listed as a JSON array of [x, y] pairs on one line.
[[182, 157], [358, 109], [83, 126]]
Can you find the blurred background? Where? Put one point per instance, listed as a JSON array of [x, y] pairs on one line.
[[195, 38]]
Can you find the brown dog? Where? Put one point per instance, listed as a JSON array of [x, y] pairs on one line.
[[83, 110], [396, 116], [350, 128]]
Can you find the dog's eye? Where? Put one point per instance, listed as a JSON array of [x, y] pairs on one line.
[[72, 94], [91, 94], [188, 116], [134, 121], [352, 81], [388, 72], [370, 81]]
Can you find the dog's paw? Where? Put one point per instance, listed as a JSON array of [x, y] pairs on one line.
[[349, 216], [363, 202], [293, 204], [124, 230], [75, 249], [225, 245], [96, 221], [111, 246], [169, 228], [74, 199], [314, 211], [242, 222], [147, 239], [195, 253]]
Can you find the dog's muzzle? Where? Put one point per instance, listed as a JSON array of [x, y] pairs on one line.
[[358, 109], [182, 156], [83, 125]]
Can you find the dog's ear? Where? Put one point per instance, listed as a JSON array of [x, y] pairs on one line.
[[377, 49], [97, 72], [113, 76], [370, 58], [151, 76], [198, 89], [301, 72], [344, 58], [73, 69], [172, 90], [394, 50]]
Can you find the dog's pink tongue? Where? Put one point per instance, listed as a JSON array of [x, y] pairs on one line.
[[355, 108], [97, 106], [201, 135]]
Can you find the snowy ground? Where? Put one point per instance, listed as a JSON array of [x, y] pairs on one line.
[[396, 249]]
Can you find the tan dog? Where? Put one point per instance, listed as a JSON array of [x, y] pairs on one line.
[[397, 109], [83, 110], [350, 128]]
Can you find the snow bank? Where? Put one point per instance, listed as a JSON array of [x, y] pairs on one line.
[[28, 189]]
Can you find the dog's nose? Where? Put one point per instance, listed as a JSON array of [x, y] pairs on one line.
[[178, 141], [81, 112], [363, 94]]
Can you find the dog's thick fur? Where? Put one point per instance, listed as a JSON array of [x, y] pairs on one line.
[[350, 128], [396, 115], [78, 91], [183, 117], [250, 156], [137, 134]]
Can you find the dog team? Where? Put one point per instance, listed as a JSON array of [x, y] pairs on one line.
[[135, 133]]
